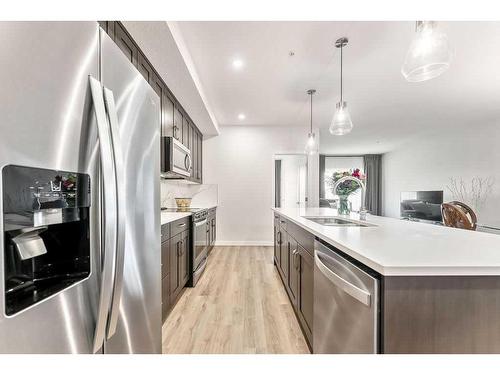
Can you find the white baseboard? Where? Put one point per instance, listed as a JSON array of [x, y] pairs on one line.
[[244, 243]]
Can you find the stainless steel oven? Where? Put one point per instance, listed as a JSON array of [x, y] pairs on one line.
[[176, 162], [200, 245]]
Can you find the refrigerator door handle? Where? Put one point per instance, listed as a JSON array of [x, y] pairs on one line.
[[121, 210], [108, 240]]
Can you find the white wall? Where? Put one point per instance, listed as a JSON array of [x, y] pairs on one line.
[[428, 165], [241, 162]]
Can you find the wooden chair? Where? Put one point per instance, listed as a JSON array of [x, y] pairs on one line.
[[458, 215]]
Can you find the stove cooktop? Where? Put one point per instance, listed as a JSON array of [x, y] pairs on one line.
[[199, 214]]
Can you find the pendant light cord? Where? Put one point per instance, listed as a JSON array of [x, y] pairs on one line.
[[311, 112], [341, 91]]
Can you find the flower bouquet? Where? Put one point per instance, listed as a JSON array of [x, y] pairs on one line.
[[345, 188]]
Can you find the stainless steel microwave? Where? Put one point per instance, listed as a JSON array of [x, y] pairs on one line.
[[176, 162]]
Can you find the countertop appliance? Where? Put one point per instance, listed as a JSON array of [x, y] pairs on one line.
[[79, 145], [200, 243], [176, 162], [346, 305]]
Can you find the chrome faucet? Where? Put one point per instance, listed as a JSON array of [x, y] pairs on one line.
[[362, 210]]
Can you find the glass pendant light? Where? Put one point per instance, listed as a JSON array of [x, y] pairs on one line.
[[429, 54], [311, 145], [341, 123]]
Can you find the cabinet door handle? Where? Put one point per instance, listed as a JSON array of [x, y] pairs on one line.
[[294, 258], [182, 225], [297, 263]]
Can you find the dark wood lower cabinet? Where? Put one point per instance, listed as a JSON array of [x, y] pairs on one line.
[[305, 291], [211, 228], [165, 273], [284, 256], [175, 255], [183, 260], [277, 242], [179, 263], [293, 271], [293, 256], [165, 298]]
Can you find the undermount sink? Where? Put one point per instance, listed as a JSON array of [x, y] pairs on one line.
[[337, 222]]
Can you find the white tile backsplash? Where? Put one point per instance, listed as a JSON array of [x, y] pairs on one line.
[[201, 195]]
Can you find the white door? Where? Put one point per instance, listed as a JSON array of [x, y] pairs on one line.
[[290, 180]]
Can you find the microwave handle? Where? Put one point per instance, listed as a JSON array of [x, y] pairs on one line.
[[188, 162]]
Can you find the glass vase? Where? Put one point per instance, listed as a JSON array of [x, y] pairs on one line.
[[344, 206]]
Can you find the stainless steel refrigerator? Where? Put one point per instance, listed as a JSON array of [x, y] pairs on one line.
[[80, 255]]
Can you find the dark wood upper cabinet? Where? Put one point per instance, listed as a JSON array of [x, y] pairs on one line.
[[192, 147], [185, 132], [159, 87], [199, 152], [126, 44], [168, 113], [146, 70], [177, 124]]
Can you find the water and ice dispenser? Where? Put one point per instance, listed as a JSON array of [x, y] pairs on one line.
[[46, 233]]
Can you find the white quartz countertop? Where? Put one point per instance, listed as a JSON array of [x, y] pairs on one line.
[[168, 217], [395, 247]]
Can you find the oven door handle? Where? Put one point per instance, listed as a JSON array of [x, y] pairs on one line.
[[200, 223]]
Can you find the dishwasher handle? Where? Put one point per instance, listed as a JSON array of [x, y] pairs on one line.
[[359, 294]]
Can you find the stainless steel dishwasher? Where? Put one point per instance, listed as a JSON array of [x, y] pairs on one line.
[[346, 305]]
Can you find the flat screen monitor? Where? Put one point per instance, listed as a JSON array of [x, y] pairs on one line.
[[422, 205]]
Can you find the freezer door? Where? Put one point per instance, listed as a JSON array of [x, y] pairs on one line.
[[135, 318], [48, 122]]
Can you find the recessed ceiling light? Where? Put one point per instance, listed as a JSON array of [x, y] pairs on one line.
[[241, 116], [238, 63]]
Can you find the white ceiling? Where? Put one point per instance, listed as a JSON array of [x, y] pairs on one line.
[[385, 109]]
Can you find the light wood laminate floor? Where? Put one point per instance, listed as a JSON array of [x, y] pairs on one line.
[[238, 306]]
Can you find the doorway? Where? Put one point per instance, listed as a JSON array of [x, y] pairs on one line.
[[290, 180]]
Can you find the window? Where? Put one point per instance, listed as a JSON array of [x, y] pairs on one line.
[[338, 164]]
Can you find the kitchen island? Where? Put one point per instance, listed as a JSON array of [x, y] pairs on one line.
[[439, 287]]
